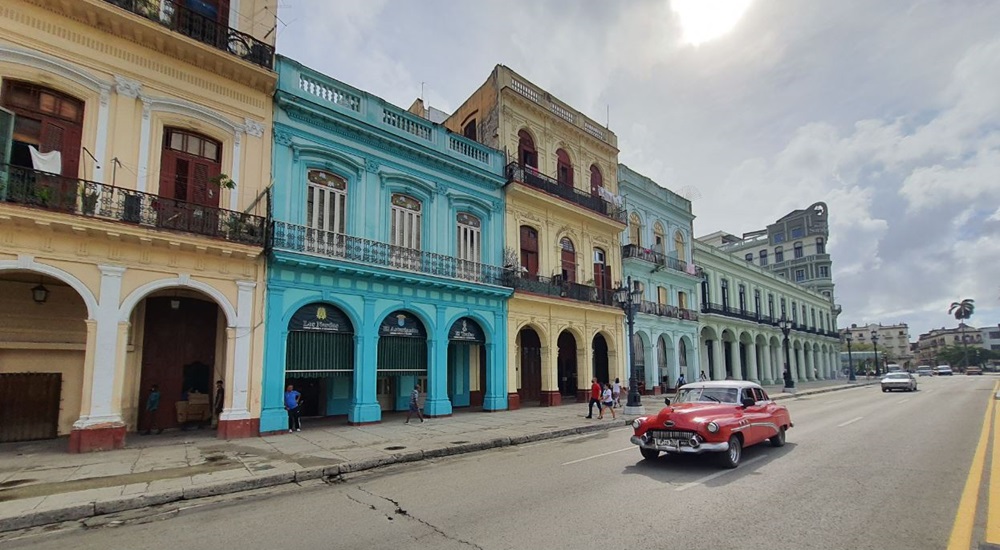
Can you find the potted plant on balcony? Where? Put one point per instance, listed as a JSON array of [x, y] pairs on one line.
[[88, 201], [222, 181], [240, 227]]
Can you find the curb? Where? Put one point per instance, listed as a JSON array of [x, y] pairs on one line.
[[77, 512]]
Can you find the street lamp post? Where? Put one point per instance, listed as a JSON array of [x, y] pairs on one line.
[[875, 343], [629, 297], [786, 326], [850, 359]]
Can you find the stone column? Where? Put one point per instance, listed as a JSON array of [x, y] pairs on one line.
[[768, 374], [800, 364], [236, 419], [550, 372], [100, 426], [719, 366], [437, 403], [752, 356], [364, 407], [514, 360]]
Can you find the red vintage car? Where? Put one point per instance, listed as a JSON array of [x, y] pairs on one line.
[[719, 417]]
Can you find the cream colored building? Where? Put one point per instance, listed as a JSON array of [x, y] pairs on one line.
[[894, 339], [563, 224], [128, 260]]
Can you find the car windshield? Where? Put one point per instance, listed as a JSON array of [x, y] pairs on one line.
[[899, 375], [708, 395]]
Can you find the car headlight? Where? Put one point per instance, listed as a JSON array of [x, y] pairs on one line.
[[712, 427], [638, 422]]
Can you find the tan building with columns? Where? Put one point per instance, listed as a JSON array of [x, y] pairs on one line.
[[136, 151], [562, 227]]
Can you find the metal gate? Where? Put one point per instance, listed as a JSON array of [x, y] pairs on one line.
[[29, 406]]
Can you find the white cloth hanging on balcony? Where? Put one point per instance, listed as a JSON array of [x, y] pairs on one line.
[[46, 162]]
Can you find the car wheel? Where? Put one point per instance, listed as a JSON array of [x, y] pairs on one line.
[[885, 390], [649, 454], [779, 439], [731, 458]]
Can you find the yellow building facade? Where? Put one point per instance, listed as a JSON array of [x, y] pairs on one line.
[[563, 220], [136, 154]]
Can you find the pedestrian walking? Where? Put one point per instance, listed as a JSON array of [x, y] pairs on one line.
[[293, 404], [220, 398], [608, 400], [152, 406], [680, 382], [414, 405], [616, 392], [702, 378], [595, 398]]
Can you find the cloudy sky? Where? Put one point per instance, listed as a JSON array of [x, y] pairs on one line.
[[889, 111]]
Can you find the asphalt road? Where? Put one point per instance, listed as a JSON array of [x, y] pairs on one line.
[[861, 469]]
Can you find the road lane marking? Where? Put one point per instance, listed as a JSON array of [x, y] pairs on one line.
[[993, 499], [573, 438], [710, 477], [851, 421], [903, 400], [598, 456], [965, 516]]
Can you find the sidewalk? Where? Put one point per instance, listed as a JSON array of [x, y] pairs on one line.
[[40, 483]]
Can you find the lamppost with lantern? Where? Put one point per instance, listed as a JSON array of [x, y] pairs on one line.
[[850, 359], [875, 343], [629, 298], [786, 326]]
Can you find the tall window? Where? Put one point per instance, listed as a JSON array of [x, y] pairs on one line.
[[189, 162], [596, 180], [749, 257], [798, 250], [803, 314], [725, 293], [48, 121], [763, 258], [820, 245], [602, 271], [679, 246], [529, 251], [784, 312], [661, 295], [824, 272], [469, 245], [795, 314], [326, 212], [634, 229], [813, 311], [659, 238], [743, 298], [564, 168], [800, 275], [770, 305], [682, 300], [526, 153], [779, 254], [469, 130], [756, 301], [568, 260], [405, 231]]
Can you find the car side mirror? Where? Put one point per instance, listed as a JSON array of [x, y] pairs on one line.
[[748, 402], [666, 401]]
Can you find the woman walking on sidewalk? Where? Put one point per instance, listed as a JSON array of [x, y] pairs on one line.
[[608, 402], [616, 392]]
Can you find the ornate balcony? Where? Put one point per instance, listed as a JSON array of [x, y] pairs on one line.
[[664, 310], [557, 287], [182, 19], [533, 178], [661, 260], [327, 244], [36, 189]]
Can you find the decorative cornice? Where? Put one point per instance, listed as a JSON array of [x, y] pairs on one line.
[[372, 165], [253, 128], [126, 87]]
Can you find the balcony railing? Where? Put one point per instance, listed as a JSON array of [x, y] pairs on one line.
[[664, 310], [184, 20], [557, 287], [298, 238], [657, 258], [533, 178], [90, 199], [746, 315]]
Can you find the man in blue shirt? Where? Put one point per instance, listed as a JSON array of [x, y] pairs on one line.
[[292, 401], [152, 405]]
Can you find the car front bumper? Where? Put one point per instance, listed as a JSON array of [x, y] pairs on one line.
[[896, 386], [676, 446]]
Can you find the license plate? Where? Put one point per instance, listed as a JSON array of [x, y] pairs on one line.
[[667, 442]]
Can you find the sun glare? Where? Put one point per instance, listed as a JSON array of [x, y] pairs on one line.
[[704, 20]]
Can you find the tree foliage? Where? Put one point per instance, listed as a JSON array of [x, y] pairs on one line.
[[962, 310]]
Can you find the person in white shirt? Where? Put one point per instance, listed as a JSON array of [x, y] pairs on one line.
[[616, 392], [608, 402]]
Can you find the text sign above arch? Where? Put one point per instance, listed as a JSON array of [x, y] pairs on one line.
[[466, 330], [401, 323], [320, 318]]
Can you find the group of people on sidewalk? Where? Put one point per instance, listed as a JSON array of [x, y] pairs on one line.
[[607, 398]]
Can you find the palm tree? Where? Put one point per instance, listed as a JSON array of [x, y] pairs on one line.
[[962, 311]]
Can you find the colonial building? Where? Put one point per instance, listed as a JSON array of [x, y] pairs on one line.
[[131, 229], [384, 270], [656, 254], [563, 223], [931, 341], [894, 340], [741, 306], [794, 247]]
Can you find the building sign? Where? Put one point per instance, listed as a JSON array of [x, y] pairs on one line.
[[466, 330], [401, 323], [320, 318]]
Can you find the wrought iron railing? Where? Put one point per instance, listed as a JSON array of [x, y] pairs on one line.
[[660, 259], [56, 193], [299, 238], [189, 22], [664, 310], [556, 286], [533, 178]]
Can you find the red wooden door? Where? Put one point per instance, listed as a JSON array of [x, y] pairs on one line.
[[531, 367], [568, 258], [188, 177], [596, 180]]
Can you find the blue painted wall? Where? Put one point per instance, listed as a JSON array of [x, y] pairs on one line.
[[379, 149]]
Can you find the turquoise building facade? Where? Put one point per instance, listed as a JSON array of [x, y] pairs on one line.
[[384, 261], [656, 254]]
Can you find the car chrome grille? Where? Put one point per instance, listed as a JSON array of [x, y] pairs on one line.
[[672, 434]]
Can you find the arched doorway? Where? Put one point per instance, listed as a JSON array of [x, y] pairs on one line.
[[729, 350], [639, 356], [402, 360], [566, 365], [602, 367], [664, 350], [683, 361], [182, 353], [43, 328], [466, 363], [319, 359], [530, 382]]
